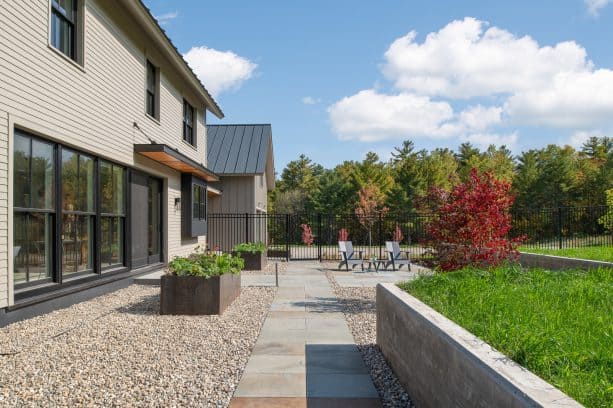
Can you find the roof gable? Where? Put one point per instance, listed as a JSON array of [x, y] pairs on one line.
[[238, 149]]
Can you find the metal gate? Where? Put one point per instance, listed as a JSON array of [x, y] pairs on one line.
[[284, 233]]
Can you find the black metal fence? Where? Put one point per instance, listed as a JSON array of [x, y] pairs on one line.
[[567, 227], [563, 227]]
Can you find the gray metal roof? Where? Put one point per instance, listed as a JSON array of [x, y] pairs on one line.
[[238, 149]]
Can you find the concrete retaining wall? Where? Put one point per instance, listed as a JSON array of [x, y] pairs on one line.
[[558, 262], [442, 365]]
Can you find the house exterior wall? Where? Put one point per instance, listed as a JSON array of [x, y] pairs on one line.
[[261, 193], [91, 107], [238, 196]]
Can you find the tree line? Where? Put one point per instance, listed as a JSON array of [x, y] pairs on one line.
[[549, 177]]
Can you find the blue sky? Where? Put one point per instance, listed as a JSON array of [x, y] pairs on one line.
[[337, 79]]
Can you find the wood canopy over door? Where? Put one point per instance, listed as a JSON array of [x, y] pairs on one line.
[[146, 219]]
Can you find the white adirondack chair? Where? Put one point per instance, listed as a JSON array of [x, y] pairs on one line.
[[348, 255], [394, 256]]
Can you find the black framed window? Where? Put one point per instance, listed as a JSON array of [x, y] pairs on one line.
[[188, 123], [112, 214], [64, 27], [78, 212], [34, 209], [152, 90], [198, 202]]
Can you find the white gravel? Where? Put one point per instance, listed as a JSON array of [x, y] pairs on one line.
[[116, 350], [359, 308]]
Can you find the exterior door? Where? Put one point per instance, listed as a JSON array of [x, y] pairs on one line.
[[154, 224], [146, 219]]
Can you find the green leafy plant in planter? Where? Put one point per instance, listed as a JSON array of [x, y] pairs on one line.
[[253, 253], [201, 284], [250, 247], [205, 265]]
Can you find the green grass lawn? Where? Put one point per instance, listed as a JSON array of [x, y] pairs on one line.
[[558, 325], [596, 253]]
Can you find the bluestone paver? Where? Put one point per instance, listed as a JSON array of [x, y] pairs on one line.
[[305, 354]]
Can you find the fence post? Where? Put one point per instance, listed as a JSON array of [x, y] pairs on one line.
[[380, 235], [287, 237], [559, 227], [319, 236], [246, 227]]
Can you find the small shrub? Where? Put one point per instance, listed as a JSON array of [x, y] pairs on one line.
[[472, 223], [343, 234], [250, 247], [205, 265], [307, 235], [397, 234], [607, 219]]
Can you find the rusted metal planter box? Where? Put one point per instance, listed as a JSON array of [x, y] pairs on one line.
[[195, 295], [253, 262]]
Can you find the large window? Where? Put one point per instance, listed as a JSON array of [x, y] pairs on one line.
[[188, 123], [113, 212], [78, 212], [152, 91], [64, 27], [69, 213], [34, 207]]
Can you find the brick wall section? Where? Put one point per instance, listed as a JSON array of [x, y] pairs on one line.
[[3, 209]]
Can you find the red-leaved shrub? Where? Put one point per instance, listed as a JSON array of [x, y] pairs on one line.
[[397, 234], [472, 223], [343, 234], [307, 235]]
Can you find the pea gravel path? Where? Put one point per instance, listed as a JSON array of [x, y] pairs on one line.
[[116, 350], [358, 304]]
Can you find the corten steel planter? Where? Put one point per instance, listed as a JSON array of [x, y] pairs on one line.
[[253, 262], [196, 295]]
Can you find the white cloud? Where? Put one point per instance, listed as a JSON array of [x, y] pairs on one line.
[[579, 137], [373, 116], [573, 100], [370, 116], [309, 100], [594, 6], [167, 17], [467, 59], [219, 70], [473, 119]]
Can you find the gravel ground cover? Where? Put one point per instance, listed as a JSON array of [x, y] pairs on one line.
[[116, 350], [270, 269], [359, 308]]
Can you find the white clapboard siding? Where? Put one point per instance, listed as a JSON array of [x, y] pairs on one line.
[[91, 107]]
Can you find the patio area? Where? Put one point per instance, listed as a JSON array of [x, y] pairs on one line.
[[309, 341]]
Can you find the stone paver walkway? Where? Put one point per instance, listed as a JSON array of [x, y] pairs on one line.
[[305, 354]]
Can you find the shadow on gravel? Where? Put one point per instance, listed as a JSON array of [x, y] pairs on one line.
[[148, 305]]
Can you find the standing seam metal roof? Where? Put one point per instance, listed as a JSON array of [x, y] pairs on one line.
[[238, 149]]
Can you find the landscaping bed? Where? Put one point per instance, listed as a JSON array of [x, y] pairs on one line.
[[116, 350], [594, 253], [559, 325]]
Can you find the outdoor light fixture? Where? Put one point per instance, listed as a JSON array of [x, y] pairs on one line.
[[177, 203]]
